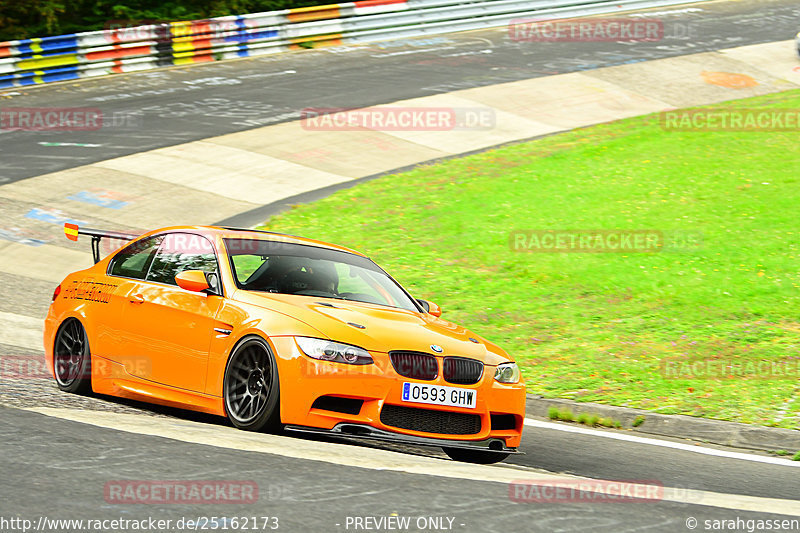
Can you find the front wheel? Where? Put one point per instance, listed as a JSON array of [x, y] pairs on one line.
[[251, 390], [475, 456], [72, 360]]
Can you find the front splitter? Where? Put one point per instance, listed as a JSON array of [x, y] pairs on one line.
[[362, 431]]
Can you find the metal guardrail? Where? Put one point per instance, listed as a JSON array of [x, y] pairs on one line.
[[98, 53]]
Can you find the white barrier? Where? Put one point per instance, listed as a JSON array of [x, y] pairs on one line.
[[97, 53]]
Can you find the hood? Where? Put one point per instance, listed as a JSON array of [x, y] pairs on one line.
[[384, 328]]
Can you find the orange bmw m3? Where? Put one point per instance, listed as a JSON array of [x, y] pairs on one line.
[[279, 332]]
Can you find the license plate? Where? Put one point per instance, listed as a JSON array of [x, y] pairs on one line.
[[439, 395]]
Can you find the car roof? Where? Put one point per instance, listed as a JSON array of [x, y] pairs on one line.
[[262, 235]]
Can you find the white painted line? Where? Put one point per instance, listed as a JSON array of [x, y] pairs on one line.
[[663, 443], [22, 331], [377, 459], [82, 145]]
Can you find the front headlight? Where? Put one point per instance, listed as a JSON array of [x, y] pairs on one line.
[[333, 351], [507, 373]]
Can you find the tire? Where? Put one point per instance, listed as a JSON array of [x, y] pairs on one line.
[[475, 456], [251, 389], [72, 360]]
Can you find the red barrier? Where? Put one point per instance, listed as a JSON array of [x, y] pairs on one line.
[[371, 3], [120, 52]]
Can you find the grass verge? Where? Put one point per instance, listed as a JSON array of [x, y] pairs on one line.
[[600, 326]]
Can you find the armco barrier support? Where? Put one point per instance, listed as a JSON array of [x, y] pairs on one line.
[[97, 53]]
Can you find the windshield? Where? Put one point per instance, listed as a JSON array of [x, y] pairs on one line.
[[287, 268]]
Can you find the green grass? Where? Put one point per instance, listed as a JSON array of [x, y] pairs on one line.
[[606, 422], [566, 415], [595, 327]]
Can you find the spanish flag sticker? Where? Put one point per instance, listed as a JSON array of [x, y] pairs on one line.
[[71, 231]]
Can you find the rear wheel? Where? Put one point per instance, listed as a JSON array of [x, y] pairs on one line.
[[72, 361], [475, 456], [251, 390]]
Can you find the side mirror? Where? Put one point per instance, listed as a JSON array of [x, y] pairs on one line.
[[192, 280], [430, 307]]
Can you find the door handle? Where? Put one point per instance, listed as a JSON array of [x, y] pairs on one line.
[[136, 299]]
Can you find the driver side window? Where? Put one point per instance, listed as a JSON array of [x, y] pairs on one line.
[[179, 252], [134, 260]]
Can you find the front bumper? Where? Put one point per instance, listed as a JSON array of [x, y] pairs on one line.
[[377, 386], [363, 431]]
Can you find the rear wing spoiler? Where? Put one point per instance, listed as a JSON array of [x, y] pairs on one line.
[[71, 231]]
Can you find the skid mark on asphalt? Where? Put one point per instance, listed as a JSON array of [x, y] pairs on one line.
[[374, 459], [663, 443]]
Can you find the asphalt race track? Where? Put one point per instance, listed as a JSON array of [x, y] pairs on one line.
[[304, 495], [59, 452], [151, 110]]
